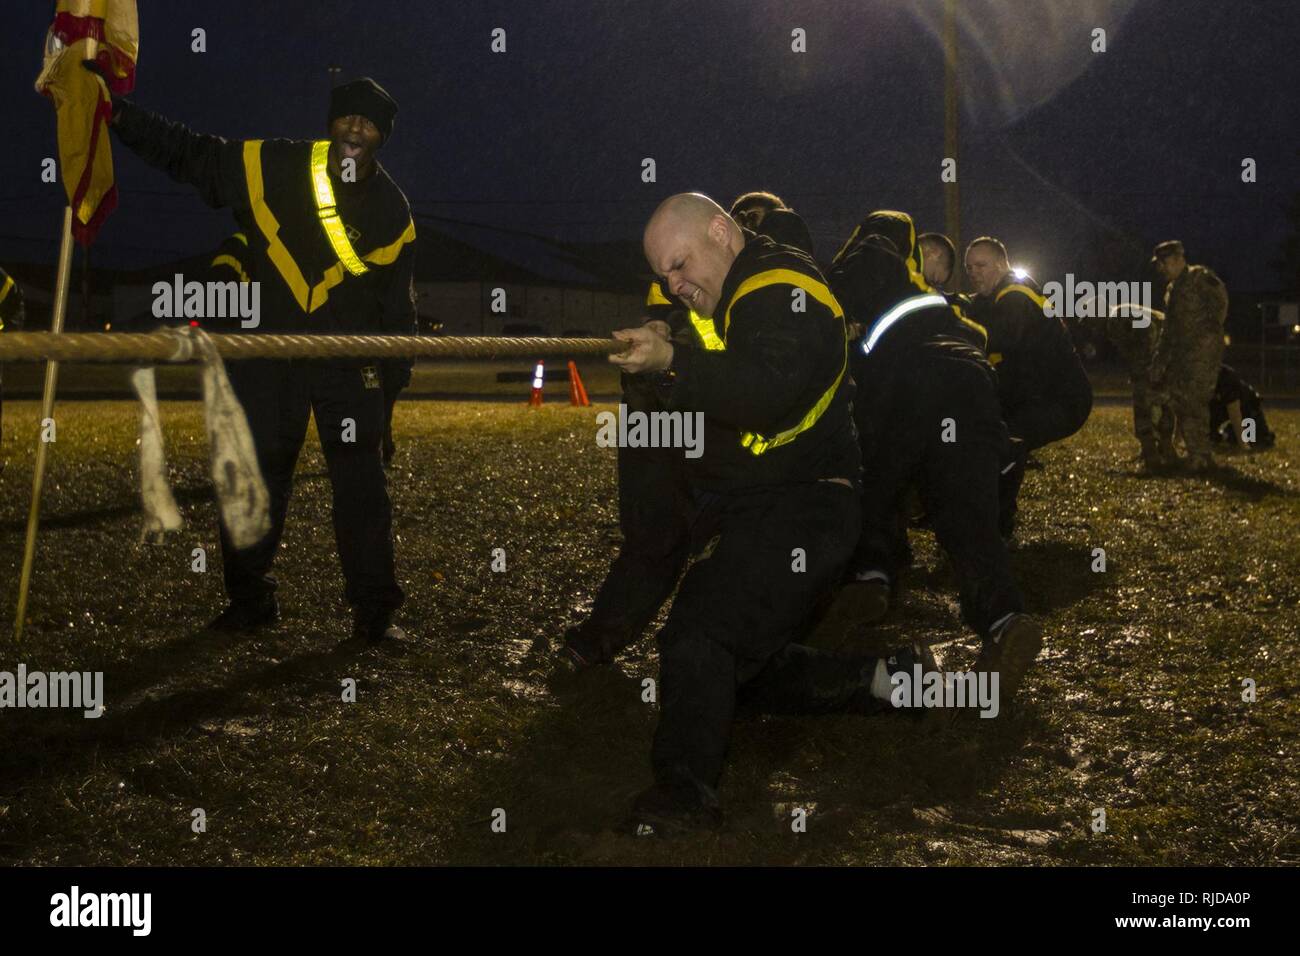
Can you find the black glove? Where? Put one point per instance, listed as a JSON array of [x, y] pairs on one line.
[[396, 374], [94, 67]]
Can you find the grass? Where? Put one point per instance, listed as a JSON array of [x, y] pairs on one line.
[[447, 378], [1135, 707]]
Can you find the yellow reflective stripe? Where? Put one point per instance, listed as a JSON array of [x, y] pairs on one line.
[[971, 323], [913, 254], [705, 330], [995, 358], [335, 231], [5, 288], [321, 183], [762, 280], [313, 297], [384, 255], [270, 228], [337, 234], [913, 259], [848, 242], [240, 237], [225, 260], [655, 296], [308, 298], [756, 443], [1037, 299]]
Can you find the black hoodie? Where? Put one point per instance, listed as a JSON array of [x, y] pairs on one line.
[[777, 364]]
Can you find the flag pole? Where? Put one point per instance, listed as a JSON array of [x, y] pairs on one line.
[[47, 411]]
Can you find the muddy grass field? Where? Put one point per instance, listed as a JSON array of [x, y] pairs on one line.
[[1135, 707]]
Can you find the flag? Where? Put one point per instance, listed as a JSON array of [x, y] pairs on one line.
[[108, 32]]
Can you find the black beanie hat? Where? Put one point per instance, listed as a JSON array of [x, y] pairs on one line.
[[365, 97]]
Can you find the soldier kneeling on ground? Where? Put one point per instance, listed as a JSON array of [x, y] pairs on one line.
[[928, 418], [1237, 413]]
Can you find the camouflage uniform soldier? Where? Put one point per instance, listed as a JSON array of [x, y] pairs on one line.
[[1137, 346], [1188, 355]]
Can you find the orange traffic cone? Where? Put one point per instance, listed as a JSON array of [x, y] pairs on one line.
[[539, 373], [577, 393]]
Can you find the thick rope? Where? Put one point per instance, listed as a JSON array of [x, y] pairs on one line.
[[178, 346]]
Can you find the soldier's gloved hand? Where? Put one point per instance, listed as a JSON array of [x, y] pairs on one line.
[[93, 66], [396, 373]]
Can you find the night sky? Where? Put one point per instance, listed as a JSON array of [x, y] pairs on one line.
[[1059, 145]]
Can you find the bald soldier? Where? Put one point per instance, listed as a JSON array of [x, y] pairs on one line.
[[1042, 386], [653, 501], [774, 498], [1190, 350], [938, 259]]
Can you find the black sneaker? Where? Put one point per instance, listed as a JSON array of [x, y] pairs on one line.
[[586, 646], [902, 661], [375, 629], [905, 661], [247, 616], [906, 658], [675, 808], [1011, 651], [857, 605]]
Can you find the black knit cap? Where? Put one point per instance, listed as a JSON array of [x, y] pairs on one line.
[[365, 97]]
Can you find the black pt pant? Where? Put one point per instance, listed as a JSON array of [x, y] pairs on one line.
[[654, 511], [1050, 415], [746, 596], [928, 418], [278, 398]]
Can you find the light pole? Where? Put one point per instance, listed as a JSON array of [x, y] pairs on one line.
[[951, 192]]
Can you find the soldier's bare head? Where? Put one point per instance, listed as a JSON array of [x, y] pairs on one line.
[[750, 209], [691, 242], [986, 263], [938, 257]]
